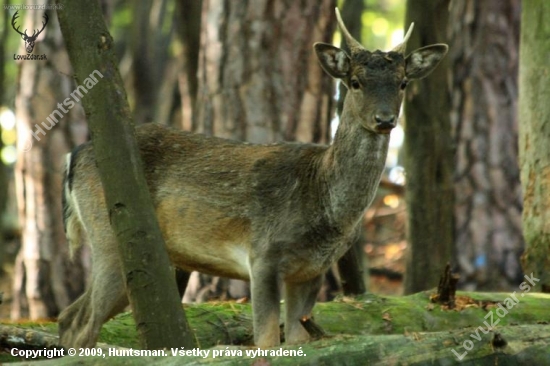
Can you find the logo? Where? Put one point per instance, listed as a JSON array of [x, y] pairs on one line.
[[29, 40]]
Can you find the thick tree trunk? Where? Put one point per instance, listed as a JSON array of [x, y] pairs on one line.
[[150, 283], [484, 63], [534, 115], [428, 155], [45, 280], [259, 79]]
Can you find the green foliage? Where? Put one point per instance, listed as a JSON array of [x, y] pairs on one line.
[[122, 19], [382, 23]]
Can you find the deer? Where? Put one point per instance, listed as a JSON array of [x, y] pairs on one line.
[[29, 40], [277, 215]]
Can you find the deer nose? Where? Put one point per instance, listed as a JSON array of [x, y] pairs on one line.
[[385, 121]]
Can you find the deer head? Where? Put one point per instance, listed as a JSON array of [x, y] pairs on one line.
[[376, 80], [29, 40]]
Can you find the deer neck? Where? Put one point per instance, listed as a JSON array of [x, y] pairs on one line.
[[352, 167]]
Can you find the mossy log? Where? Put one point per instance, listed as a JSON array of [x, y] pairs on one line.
[[371, 330]]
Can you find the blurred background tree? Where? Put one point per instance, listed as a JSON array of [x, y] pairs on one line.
[[3, 167], [204, 65], [484, 38], [44, 280]]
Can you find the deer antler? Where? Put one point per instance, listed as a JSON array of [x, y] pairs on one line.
[[25, 35], [403, 45], [43, 26], [15, 16], [353, 44]]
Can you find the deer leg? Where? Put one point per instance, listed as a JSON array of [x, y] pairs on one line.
[[80, 323], [299, 301], [73, 318], [108, 298], [265, 305]]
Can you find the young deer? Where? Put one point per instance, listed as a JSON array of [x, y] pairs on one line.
[[271, 214]]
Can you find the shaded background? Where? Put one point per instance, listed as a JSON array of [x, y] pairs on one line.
[[246, 70]]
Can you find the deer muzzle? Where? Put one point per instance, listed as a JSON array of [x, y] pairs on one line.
[[385, 122]]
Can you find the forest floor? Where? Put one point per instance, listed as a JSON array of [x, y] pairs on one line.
[[389, 329]]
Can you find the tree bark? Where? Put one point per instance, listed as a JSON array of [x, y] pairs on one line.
[[428, 155], [150, 283], [534, 116], [484, 64], [150, 44], [3, 167], [188, 26], [45, 280], [188, 22], [259, 79]]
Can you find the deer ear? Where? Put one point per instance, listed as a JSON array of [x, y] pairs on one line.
[[333, 60], [421, 62]]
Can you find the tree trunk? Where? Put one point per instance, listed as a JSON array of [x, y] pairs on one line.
[[259, 79], [3, 167], [150, 44], [150, 283], [534, 116], [145, 81], [484, 64], [188, 26], [428, 155], [188, 21], [45, 280]]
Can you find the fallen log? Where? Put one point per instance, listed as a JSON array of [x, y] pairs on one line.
[[382, 329], [525, 345], [230, 323], [12, 336]]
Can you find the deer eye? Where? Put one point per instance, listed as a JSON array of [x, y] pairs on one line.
[[404, 84], [355, 84]]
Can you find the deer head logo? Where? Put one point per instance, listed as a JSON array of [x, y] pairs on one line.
[[29, 40]]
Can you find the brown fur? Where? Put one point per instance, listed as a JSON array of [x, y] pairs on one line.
[[276, 214]]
